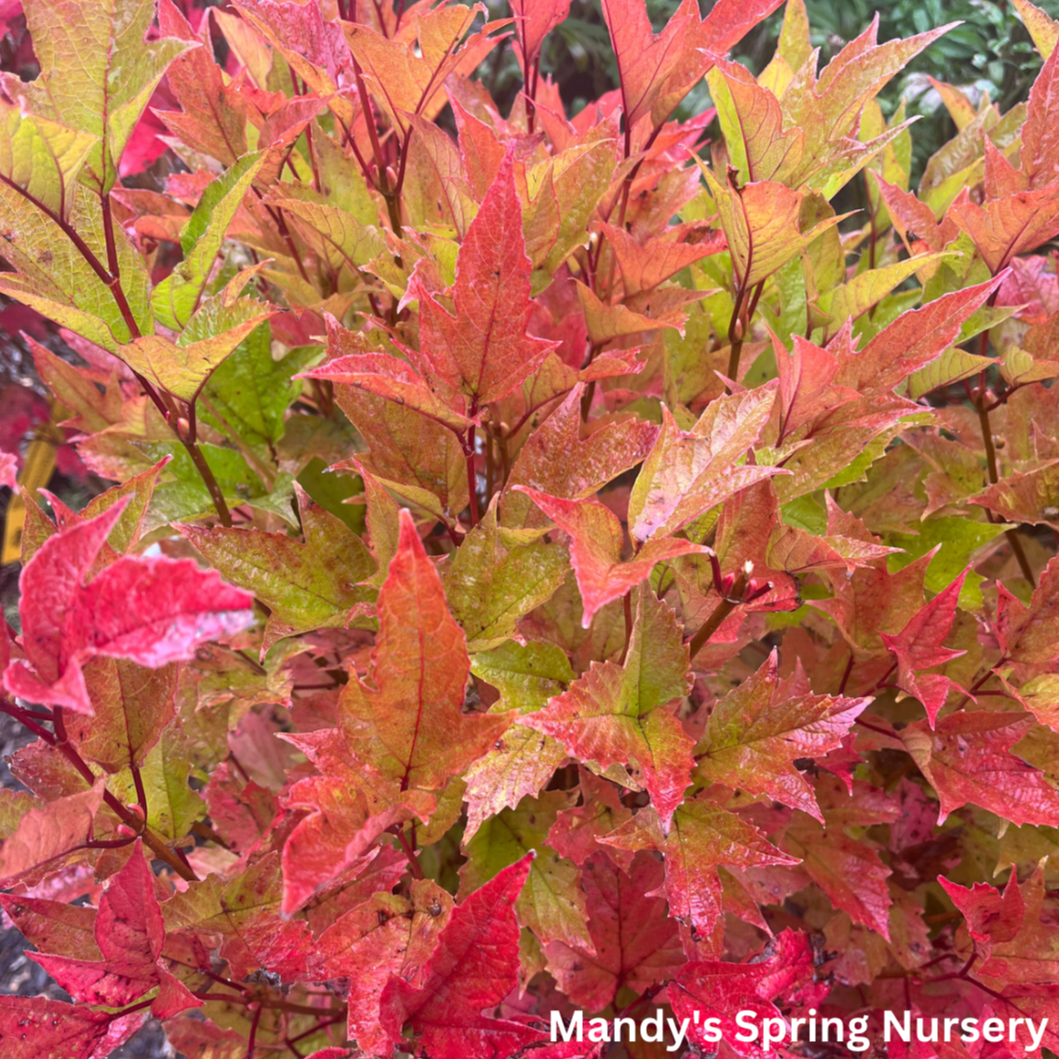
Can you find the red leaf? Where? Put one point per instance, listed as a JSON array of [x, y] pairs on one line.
[[968, 758], [474, 966], [483, 348], [34, 1027], [636, 944], [756, 732], [782, 972], [129, 932], [1030, 634], [703, 837], [152, 611], [8, 470], [411, 729], [595, 550], [918, 646]]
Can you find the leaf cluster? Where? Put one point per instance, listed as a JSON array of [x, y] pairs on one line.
[[548, 561]]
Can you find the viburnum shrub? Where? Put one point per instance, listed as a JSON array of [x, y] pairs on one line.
[[557, 563]]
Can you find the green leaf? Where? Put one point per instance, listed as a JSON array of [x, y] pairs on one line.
[[97, 72], [552, 903], [307, 585], [958, 540], [490, 587], [251, 391], [175, 298]]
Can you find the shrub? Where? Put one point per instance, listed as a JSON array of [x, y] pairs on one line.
[[556, 564]]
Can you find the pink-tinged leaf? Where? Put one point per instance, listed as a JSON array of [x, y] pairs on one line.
[[992, 916], [645, 59], [8, 470], [130, 933], [912, 341], [918, 646], [687, 473], [45, 834], [781, 975], [483, 349], [636, 943], [474, 966], [755, 734], [535, 19], [615, 716], [596, 541], [645, 265], [702, 837], [347, 812], [1031, 634], [388, 935], [968, 758], [576, 832], [1005, 227], [409, 728], [149, 610]]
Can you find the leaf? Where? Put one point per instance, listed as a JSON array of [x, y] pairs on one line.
[[175, 608], [411, 729], [595, 550], [633, 942], [551, 903], [34, 1026], [307, 585], [1030, 496], [913, 340], [182, 370], [688, 473], [780, 972], [245, 913], [131, 707], [41, 157], [130, 933], [761, 223], [1030, 634], [1043, 30], [849, 870], [174, 299], [521, 762], [250, 391], [490, 586], [45, 834], [755, 734], [474, 966], [703, 836], [1008, 226], [918, 646], [482, 348], [387, 935], [97, 72], [566, 459], [615, 715], [407, 76], [967, 758]]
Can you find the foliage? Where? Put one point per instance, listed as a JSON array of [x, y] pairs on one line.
[[553, 562]]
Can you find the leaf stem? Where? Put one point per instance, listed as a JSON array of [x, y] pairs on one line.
[[472, 477], [413, 861], [723, 609]]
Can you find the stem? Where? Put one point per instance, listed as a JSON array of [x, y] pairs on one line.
[[472, 477], [59, 741], [206, 474], [738, 328], [846, 674], [627, 605], [413, 861], [714, 621], [252, 1038]]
